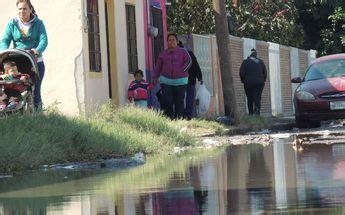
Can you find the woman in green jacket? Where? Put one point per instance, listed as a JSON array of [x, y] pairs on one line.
[[28, 32]]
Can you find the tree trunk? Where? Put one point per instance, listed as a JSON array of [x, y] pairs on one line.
[[223, 42]]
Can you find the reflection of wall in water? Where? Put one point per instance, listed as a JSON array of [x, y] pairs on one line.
[[257, 166]]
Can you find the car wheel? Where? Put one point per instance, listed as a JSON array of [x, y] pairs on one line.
[[314, 124], [304, 123], [300, 123]]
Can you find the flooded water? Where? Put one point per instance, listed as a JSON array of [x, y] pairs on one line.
[[278, 178]]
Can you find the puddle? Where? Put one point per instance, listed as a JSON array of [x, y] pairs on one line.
[[274, 178]]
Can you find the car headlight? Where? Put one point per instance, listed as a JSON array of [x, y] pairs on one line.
[[304, 95]]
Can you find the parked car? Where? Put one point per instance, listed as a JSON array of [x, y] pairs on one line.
[[321, 92]]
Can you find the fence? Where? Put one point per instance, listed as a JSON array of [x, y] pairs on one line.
[[282, 62]]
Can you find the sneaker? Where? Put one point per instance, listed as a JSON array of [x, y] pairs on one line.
[[2, 107], [12, 105]]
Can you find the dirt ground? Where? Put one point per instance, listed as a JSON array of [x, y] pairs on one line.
[[328, 133]]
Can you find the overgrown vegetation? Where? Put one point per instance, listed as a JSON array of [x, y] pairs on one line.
[[307, 24], [30, 140]]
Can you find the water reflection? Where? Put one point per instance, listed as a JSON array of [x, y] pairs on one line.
[[242, 179]]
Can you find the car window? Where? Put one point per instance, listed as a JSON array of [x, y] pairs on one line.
[[326, 69]]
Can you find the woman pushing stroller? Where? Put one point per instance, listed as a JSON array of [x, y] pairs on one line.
[[28, 32]]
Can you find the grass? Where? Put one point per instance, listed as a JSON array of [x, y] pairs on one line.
[[30, 140]]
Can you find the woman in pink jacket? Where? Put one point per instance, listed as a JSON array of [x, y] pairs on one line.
[[172, 71]]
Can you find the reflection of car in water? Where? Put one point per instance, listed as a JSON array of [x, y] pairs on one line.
[[321, 93]]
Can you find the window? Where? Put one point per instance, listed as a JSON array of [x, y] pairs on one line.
[[131, 39], [94, 36], [158, 42]]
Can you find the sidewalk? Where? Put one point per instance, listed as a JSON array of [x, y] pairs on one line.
[[278, 124]]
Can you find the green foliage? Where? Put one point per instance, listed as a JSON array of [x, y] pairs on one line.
[[323, 22], [191, 17], [268, 21], [334, 37], [307, 24]]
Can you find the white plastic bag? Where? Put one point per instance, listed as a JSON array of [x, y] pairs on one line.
[[204, 98]]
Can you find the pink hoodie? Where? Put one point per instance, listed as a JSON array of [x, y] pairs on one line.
[[173, 63]]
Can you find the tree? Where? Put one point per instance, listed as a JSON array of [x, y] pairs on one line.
[[274, 21], [268, 20], [222, 34], [323, 23], [191, 17], [334, 37]]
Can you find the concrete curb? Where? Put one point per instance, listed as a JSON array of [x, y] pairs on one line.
[[278, 124]]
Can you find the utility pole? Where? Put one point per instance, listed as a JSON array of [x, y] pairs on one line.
[[223, 42]]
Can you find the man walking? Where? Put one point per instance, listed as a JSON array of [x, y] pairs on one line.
[[194, 73], [253, 75]]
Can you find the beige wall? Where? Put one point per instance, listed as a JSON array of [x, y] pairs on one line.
[[63, 24], [121, 44]]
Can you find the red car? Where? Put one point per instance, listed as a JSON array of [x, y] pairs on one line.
[[321, 93]]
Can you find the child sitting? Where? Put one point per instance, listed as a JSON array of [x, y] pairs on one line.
[[137, 90], [12, 91]]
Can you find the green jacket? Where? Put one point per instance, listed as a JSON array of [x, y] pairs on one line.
[[36, 38]]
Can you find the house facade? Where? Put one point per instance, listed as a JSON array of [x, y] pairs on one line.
[[94, 47]]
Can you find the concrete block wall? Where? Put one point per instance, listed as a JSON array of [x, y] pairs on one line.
[[285, 75], [303, 62], [262, 50], [236, 53], [291, 62]]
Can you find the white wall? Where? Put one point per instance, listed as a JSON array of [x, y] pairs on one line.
[[275, 81], [96, 83], [121, 44]]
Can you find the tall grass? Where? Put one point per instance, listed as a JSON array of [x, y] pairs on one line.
[[29, 140]]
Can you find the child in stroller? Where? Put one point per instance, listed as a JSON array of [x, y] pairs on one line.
[[14, 84]]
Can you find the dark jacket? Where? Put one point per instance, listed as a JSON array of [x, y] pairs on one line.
[[253, 71], [194, 71]]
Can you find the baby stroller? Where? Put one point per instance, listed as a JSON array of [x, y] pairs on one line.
[[26, 64]]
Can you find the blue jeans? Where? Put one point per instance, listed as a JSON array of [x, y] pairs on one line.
[[38, 82], [190, 95]]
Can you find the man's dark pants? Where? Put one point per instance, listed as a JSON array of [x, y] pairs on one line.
[[190, 96], [253, 94], [173, 97]]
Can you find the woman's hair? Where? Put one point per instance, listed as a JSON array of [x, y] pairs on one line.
[[29, 3], [172, 34], [140, 72]]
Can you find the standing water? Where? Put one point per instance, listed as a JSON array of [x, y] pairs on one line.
[[242, 179]]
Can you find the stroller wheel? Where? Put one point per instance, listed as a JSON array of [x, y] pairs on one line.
[[28, 106]]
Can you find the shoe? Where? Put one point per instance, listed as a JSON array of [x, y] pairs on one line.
[[12, 105], [2, 107]]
